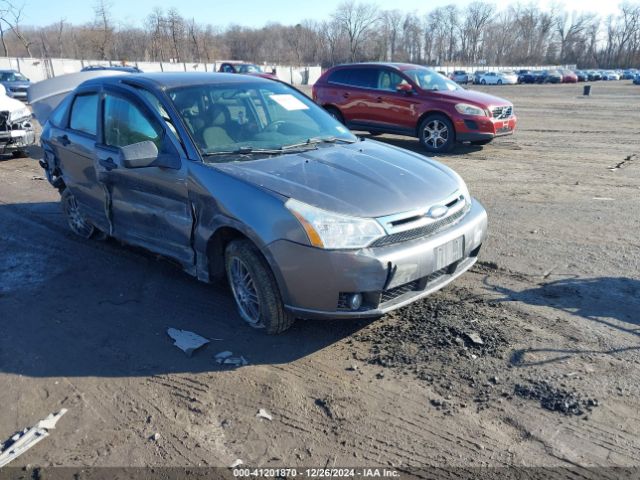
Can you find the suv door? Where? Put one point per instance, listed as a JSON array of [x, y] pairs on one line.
[[391, 110], [74, 145], [350, 89], [148, 206]]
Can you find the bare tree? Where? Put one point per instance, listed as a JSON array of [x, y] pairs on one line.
[[103, 28], [356, 20]]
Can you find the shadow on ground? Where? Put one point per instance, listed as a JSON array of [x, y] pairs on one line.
[[414, 145], [70, 307], [610, 301]]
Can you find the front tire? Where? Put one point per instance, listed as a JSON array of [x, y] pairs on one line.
[[436, 133], [335, 113], [77, 223], [255, 289], [483, 82]]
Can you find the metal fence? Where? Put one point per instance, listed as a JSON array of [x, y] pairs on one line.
[[38, 69]]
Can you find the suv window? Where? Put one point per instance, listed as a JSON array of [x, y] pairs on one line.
[[356, 77], [84, 113], [125, 124], [389, 80], [364, 77], [339, 76]]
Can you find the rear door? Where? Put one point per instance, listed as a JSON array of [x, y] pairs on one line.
[[147, 206], [74, 145]]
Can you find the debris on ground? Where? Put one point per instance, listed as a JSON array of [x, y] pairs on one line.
[[227, 358], [186, 341], [623, 163], [155, 437], [555, 399], [475, 338], [236, 463], [23, 441], [262, 413]]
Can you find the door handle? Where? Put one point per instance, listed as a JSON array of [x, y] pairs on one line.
[[64, 140], [379, 99], [108, 164], [345, 95]]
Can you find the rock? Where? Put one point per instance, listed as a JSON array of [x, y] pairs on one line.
[[475, 338], [155, 437]]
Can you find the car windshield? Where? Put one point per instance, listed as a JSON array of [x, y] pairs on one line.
[[249, 69], [12, 77], [431, 80], [264, 117]]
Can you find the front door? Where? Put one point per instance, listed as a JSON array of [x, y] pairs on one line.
[[147, 206]]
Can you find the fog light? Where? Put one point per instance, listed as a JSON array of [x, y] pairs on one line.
[[355, 301]]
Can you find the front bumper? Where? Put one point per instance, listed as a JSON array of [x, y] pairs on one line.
[[16, 139], [473, 129], [313, 281]]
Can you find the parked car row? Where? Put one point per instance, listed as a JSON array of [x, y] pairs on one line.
[[481, 77]]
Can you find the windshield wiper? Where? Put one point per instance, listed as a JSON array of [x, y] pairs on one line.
[[314, 141], [309, 144]]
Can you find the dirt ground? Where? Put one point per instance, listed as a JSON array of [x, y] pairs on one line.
[[530, 359]]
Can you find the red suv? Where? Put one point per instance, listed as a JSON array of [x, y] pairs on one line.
[[412, 100]]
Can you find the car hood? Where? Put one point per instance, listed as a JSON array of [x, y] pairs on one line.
[[483, 99], [364, 179]]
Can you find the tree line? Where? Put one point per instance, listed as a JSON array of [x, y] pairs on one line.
[[480, 33]]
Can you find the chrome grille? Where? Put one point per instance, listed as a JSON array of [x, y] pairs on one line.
[[502, 112], [420, 232]]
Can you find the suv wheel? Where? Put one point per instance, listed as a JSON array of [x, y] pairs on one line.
[[255, 289], [436, 133], [483, 82], [335, 113], [499, 82]]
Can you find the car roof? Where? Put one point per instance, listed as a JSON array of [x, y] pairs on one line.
[[396, 65], [170, 80]]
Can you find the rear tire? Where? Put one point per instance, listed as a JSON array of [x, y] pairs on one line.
[[483, 82], [335, 113], [77, 223], [436, 133], [255, 289]]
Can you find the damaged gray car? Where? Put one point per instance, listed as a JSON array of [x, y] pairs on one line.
[[247, 178], [16, 128]]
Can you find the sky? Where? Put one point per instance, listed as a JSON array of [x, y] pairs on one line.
[[253, 13]]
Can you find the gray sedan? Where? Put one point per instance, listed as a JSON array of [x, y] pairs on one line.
[[247, 178]]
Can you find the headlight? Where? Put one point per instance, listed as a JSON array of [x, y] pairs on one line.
[[18, 114], [331, 230], [466, 109]]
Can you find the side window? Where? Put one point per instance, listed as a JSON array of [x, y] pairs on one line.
[[84, 112], [339, 76], [389, 80], [364, 77], [125, 124], [57, 116]]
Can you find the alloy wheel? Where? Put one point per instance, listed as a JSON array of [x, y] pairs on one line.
[[436, 134], [76, 220], [244, 291]]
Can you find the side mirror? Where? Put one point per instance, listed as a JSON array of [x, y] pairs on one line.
[[139, 155], [404, 88]]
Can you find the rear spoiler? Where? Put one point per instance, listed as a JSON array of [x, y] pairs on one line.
[[46, 95]]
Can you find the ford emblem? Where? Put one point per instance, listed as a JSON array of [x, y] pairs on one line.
[[437, 211]]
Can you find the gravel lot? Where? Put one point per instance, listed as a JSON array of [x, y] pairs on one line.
[[531, 359]]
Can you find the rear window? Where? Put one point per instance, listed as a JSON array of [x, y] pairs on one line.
[[84, 113]]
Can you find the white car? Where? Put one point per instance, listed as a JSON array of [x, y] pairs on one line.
[[499, 78]]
